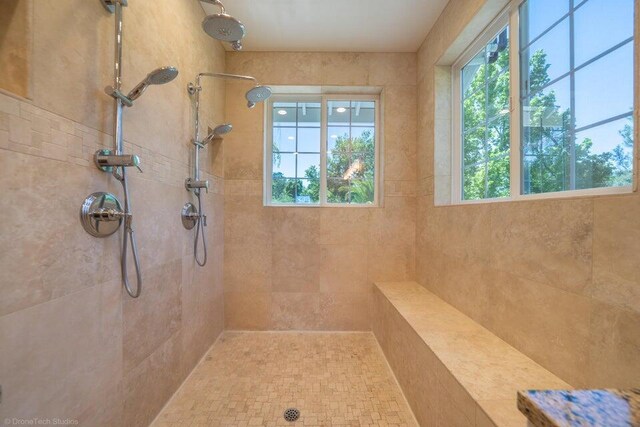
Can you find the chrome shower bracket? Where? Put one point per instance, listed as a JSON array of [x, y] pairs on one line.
[[110, 5], [100, 154], [192, 89], [105, 160], [101, 214]]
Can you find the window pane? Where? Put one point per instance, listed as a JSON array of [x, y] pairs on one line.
[[362, 191], [339, 112], [608, 80], [538, 15], [617, 27], [546, 121], [363, 113], [307, 191], [308, 140], [338, 190], [284, 139], [485, 121], [308, 166], [498, 94], [284, 114], [473, 75], [362, 132], [474, 179], [473, 146], [546, 59], [604, 155], [284, 165], [338, 163], [333, 133], [350, 151], [309, 114], [283, 190]]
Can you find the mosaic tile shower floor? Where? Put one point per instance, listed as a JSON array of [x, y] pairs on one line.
[[250, 378]]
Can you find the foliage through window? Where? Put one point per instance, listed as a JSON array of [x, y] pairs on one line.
[[574, 109], [323, 151], [485, 121]]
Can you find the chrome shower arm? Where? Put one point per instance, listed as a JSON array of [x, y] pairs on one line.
[[227, 76], [215, 3]]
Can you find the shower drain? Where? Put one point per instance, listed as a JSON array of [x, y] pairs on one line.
[[291, 414]]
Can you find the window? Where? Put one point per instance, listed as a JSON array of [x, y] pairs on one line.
[[485, 120], [574, 105], [322, 150]]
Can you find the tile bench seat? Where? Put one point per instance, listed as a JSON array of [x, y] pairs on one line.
[[453, 371]]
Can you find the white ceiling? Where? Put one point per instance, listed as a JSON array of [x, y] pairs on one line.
[[333, 25]]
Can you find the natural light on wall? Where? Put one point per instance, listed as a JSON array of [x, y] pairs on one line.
[[574, 111]]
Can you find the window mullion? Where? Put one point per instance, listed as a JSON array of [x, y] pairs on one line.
[[515, 132], [268, 161], [572, 100], [323, 151]]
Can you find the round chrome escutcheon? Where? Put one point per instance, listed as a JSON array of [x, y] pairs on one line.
[[188, 219], [97, 202]]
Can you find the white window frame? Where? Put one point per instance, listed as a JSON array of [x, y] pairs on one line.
[[510, 16], [323, 98]]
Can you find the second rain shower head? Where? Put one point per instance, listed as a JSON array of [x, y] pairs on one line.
[[257, 94], [158, 76], [224, 27], [218, 132]]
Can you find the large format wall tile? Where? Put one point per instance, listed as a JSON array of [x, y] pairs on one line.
[[616, 277], [145, 330], [546, 241], [47, 375], [49, 194]]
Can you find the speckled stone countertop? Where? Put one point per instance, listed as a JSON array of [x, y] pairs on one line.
[[584, 408]]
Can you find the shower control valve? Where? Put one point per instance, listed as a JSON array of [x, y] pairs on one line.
[[190, 216]]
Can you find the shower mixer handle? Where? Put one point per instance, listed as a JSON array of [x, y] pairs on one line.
[[109, 214]]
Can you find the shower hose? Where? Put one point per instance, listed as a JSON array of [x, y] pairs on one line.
[[202, 222], [128, 236]]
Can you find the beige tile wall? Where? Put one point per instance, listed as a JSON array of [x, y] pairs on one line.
[[557, 279], [312, 268], [73, 344], [15, 46]]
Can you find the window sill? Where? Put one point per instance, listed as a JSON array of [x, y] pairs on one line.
[[332, 205], [575, 194]]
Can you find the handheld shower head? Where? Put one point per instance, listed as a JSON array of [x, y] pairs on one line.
[[257, 94], [158, 76], [218, 132]]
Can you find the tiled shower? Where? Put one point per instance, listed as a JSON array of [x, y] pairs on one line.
[[324, 310]]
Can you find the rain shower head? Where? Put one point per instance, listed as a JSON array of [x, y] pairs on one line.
[[224, 27], [218, 132], [158, 76], [257, 94]]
